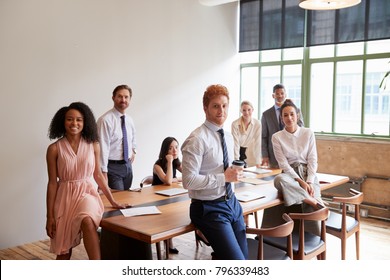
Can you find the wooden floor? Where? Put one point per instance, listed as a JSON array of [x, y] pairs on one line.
[[375, 245]]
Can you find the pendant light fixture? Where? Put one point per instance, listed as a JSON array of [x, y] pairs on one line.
[[327, 4]]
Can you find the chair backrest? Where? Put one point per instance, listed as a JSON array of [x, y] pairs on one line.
[[356, 199], [283, 230], [320, 215], [146, 181]]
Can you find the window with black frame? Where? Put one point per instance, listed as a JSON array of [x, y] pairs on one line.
[[334, 72]]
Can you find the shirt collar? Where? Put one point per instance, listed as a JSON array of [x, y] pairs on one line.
[[212, 126], [117, 113], [295, 134]]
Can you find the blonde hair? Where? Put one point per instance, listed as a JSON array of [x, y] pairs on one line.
[[242, 124]]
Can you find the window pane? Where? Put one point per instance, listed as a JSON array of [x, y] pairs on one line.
[[249, 57], [322, 51], [271, 34], [270, 76], [348, 97], [350, 49], [293, 53], [378, 19], [271, 55], [320, 28], [249, 26], [376, 106], [378, 46], [292, 81], [250, 86], [350, 24], [321, 97], [294, 25]]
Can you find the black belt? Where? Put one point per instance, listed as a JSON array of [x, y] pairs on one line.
[[117, 161], [219, 199]]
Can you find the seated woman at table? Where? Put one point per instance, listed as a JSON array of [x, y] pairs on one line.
[[296, 153], [164, 169]]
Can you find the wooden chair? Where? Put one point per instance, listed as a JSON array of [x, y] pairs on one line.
[[306, 245], [343, 226], [147, 181], [258, 250]]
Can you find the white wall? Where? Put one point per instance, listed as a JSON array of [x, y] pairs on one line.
[[55, 52]]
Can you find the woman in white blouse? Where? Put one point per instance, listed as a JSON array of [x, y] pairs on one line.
[[246, 132], [296, 153]]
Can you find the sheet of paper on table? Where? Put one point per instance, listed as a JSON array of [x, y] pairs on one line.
[[137, 211], [254, 181]]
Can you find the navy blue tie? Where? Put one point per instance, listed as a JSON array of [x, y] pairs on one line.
[[281, 125], [225, 161], [125, 143]]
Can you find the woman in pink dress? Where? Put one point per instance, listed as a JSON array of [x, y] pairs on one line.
[[74, 207]]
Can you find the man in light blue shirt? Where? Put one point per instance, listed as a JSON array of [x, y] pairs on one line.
[[116, 163], [214, 209]]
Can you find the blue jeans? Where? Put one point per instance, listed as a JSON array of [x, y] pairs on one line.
[[222, 223]]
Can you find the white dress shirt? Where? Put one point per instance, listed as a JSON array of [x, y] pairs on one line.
[[297, 147], [202, 164], [251, 139], [111, 137]]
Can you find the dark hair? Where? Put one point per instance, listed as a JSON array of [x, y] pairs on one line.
[[278, 86], [162, 160], [118, 88], [214, 91], [57, 125], [287, 103]]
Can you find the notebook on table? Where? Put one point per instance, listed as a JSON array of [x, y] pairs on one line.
[[254, 181], [248, 196], [172, 192]]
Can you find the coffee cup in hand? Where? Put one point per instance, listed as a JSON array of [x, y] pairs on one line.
[[238, 164]]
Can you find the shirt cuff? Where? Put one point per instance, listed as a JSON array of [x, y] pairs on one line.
[[221, 179]]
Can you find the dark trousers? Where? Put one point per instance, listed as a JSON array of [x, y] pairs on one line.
[[222, 223], [120, 175]]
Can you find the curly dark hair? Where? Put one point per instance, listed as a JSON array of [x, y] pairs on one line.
[[162, 160], [57, 125]]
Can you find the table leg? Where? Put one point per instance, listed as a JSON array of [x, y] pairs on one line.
[[115, 246]]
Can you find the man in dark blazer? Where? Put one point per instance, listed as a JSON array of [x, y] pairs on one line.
[[271, 123]]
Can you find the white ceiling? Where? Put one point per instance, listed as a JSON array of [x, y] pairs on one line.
[[215, 2]]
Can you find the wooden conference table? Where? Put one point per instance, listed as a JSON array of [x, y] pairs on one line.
[[131, 237]]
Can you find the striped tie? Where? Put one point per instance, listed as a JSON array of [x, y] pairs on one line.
[[225, 161], [125, 143]]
